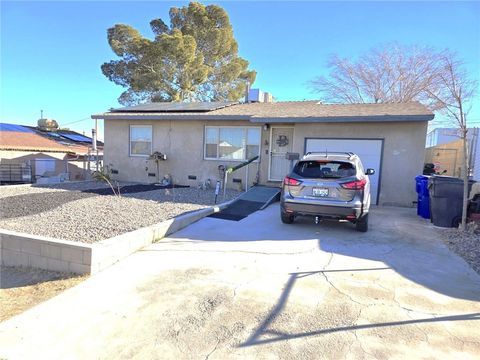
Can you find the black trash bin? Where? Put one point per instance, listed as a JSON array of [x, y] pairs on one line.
[[446, 199]]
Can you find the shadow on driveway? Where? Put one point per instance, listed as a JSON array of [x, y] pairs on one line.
[[264, 335], [397, 238]]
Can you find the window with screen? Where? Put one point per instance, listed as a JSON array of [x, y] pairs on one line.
[[140, 140], [232, 143]]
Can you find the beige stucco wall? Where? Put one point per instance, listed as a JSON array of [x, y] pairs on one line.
[[75, 168], [403, 152], [17, 157], [29, 157], [182, 141]]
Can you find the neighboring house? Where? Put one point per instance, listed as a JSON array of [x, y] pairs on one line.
[[198, 137], [31, 154], [449, 156], [440, 136]]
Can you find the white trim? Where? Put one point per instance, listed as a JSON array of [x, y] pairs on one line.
[[270, 153], [245, 128], [270, 148], [130, 140]]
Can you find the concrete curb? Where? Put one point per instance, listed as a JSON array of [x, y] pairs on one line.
[[18, 249]]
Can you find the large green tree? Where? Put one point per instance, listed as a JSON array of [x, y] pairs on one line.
[[195, 58]]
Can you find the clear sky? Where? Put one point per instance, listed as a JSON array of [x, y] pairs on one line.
[[51, 52]]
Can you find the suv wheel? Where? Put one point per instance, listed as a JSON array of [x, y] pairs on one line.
[[362, 224], [286, 218]]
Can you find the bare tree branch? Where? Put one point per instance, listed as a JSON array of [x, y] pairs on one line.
[[392, 73], [397, 73], [453, 92]]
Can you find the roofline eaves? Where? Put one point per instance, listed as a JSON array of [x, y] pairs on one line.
[[262, 119], [343, 119], [12, 148], [129, 116]]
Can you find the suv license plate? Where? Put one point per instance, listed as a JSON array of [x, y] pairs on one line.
[[320, 192]]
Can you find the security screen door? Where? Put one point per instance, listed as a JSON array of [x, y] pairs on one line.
[[281, 142]]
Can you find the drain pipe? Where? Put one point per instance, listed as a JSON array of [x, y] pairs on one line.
[[225, 185], [222, 172], [246, 177]]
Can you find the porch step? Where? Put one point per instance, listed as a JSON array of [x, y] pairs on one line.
[[257, 198]]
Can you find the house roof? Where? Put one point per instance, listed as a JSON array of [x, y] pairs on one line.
[[288, 111], [14, 128], [23, 140], [177, 107], [29, 138]]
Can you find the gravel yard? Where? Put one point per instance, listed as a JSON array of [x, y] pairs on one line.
[[465, 244], [64, 212], [14, 190]]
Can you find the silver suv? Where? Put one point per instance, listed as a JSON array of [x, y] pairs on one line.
[[327, 185]]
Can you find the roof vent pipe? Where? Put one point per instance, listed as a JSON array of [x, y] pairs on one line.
[[247, 91], [94, 140]]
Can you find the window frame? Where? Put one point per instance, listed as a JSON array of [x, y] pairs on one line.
[[130, 139], [245, 134]]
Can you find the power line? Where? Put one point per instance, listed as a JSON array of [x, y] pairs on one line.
[[76, 121]]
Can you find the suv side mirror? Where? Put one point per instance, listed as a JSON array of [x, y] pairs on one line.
[[370, 172]]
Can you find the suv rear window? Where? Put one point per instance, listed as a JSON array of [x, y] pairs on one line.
[[324, 169]]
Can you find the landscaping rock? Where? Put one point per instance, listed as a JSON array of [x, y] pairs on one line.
[[63, 212], [466, 244]]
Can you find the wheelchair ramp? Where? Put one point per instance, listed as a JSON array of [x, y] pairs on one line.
[[257, 198]]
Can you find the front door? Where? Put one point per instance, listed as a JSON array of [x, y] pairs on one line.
[[281, 142]]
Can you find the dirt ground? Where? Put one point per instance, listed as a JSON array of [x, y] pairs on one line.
[[23, 288]]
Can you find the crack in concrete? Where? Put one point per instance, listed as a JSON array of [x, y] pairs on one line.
[[339, 291], [213, 350], [409, 309], [427, 340], [361, 346], [236, 251], [325, 267], [241, 285], [349, 350], [459, 339], [356, 335], [328, 262]]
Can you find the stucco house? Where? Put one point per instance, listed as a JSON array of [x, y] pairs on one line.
[[198, 137], [31, 154]]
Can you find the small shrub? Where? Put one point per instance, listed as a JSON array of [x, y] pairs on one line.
[[104, 174]]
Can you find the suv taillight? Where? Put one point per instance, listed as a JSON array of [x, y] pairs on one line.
[[291, 181], [355, 185]]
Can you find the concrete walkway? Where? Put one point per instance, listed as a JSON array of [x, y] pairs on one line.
[[261, 289]]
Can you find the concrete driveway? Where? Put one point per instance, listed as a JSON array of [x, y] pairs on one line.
[[261, 289]]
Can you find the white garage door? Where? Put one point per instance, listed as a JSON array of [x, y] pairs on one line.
[[44, 165], [369, 151]]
